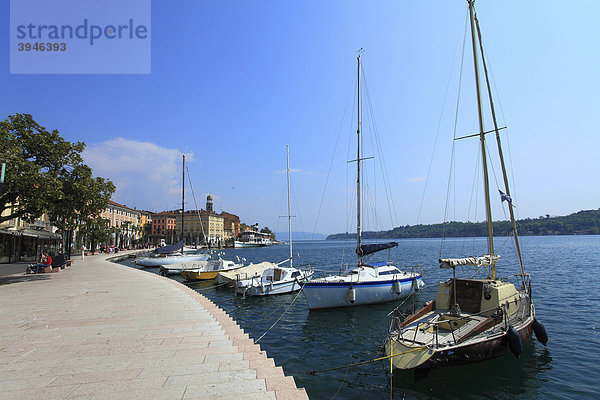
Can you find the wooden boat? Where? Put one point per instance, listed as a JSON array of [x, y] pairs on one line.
[[209, 270], [473, 319], [368, 283]]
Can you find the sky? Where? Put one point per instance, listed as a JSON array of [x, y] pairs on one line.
[[232, 82]]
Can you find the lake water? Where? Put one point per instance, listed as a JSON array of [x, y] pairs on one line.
[[565, 286]]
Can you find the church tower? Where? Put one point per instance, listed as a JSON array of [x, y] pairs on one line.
[[209, 203]]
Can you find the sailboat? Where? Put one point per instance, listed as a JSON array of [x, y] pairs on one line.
[[471, 319], [368, 283], [168, 255], [276, 279]]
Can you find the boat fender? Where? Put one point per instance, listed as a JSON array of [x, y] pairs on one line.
[[352, 294], [415, 284], [271, 285], [262, 287], [540, 332], [514, 341], [397, 288]]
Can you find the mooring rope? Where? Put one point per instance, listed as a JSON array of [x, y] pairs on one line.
[[212, 287], [366, 362], [278, 319]]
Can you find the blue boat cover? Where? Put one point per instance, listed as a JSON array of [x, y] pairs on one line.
[[169, 249], [367, 249]]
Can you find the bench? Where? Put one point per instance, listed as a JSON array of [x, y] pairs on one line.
[[59, 262]]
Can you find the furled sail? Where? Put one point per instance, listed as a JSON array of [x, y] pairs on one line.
[[366, 249], [169, 249], [472, 261]]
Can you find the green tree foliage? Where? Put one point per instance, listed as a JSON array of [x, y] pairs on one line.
[[268, 231], [46, 173], [580, 223], [35, 161], [96, 230], [81, 197]]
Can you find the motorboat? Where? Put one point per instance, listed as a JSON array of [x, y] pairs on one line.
[[209, 270]]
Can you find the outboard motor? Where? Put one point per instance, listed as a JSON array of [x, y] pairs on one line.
[[540, 332], [514, 341]]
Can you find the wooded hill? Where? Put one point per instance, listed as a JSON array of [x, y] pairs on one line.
[[580, 223]]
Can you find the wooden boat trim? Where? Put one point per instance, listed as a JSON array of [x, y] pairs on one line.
[[429, 306]]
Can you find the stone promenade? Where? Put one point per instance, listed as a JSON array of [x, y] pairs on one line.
[[99, 330]]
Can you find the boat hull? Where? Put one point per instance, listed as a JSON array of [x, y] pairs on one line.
[[270, 288], [161, 261], [414, 356], [199, 276], [245, 244], [327, 294]]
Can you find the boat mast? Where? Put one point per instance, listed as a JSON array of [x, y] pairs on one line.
[[182, 200], [287, 149], [486, 182], [358, 227], [500, 154]]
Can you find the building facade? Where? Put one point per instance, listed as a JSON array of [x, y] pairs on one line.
[[231, 227], [22, 241], [145, 227], [124, 223], [163, 227]]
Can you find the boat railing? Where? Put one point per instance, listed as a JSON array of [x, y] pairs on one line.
[[397, 316], [416, 269]]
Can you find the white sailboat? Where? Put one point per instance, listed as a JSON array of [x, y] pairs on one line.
[[276, 279], [475, 318], [168, 255], [368, 283]]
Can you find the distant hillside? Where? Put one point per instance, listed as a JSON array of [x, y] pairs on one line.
[[580, 223], [284, 236]]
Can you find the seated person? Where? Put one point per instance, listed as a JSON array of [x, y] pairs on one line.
[[45, 261]]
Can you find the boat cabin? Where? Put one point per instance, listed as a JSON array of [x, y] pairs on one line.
[[478, 296]]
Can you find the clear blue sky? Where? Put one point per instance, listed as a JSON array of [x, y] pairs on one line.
[[233, 81]]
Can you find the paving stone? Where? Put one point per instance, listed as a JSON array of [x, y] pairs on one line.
[[106, 331]]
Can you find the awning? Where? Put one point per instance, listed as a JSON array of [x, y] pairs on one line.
[[36, 233], [472, 261], [367, 249]]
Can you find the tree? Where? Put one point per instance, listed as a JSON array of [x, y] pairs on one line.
[[267, 231], [81, 197], [35, 160], [96, 231], [46, 173]]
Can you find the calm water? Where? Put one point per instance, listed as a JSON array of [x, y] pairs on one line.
[[564, 272]]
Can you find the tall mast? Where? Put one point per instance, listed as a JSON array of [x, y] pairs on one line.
[[500, 154], [358, 170], [182, 200], [486, 182], [287, 149]]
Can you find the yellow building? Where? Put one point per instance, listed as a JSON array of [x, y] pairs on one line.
[[145, 226], [201, 226], [213, 226]]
